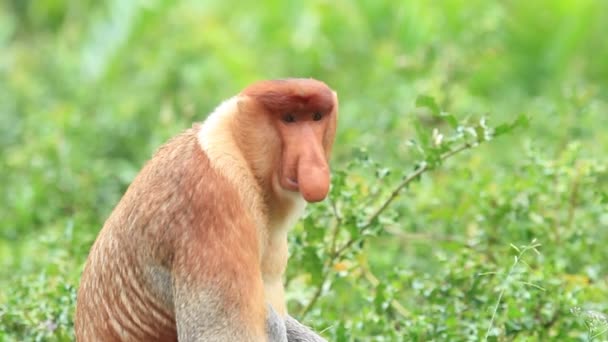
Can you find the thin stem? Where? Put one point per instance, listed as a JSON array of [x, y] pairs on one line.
[[315, 296], [503, 285], [369, 275], [334, 237], [502, 292], [328, 262], [598, 334], [395, 193]]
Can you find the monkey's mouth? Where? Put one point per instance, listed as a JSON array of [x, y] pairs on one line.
[[290, 184]]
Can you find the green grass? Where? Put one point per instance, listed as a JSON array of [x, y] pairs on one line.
[[88, 90]]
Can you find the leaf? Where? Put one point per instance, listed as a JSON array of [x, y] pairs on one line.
[[425, 101], [604, 198], [538, 287], [424, 137], [480, 132], [521, 121], [451, 120], [380, 298], [340, 266], [515, 248], [352, 227], [502, 129], [313, 264]]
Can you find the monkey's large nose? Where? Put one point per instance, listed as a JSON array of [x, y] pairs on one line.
[[317, 188], [313, 177]]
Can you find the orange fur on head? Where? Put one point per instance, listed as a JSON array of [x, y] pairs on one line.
[[304, 113]]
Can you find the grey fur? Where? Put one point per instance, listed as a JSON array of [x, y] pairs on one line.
[[275, 327], [288, 330], [297, 332]]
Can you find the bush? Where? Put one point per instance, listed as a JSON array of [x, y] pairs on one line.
[[452, 216]]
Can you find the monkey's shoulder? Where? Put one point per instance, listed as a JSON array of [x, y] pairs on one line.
[[179, 182]]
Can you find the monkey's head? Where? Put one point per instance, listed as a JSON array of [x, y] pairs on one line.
[[295, 120]]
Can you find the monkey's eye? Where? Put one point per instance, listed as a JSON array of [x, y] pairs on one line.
[[317, 116], [289, 118]]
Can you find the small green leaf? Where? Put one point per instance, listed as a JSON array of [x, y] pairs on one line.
[[426, 101], [451, 120], [480, 132], [313, 264], [502, 129], [352, 228], [522, 121], [424, 137], [380, 298]]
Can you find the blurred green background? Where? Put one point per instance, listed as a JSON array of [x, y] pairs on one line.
[[89, 89]]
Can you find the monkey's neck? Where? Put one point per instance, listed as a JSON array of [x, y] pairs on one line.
[[246, 155], [217, 141], [273, 214]]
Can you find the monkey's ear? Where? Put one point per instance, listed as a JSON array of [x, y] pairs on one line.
[[244, 105], [336, 102], [250, 109], [241, 103]]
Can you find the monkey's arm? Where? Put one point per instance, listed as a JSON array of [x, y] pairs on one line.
[[275, 326], [288, 329], [297, 332], [215, 297]]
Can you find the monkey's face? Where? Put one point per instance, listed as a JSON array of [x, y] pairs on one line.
[[304, 158], [303, 113]]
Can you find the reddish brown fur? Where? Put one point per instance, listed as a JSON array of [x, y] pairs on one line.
[[179, 236], [197, 244], [292, 96]]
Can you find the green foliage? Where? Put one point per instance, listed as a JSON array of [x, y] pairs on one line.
[[452, 216]]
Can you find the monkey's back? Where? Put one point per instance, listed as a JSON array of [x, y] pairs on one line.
[[161, 231]]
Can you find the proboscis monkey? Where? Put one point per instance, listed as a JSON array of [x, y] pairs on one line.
[[197, 247]]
